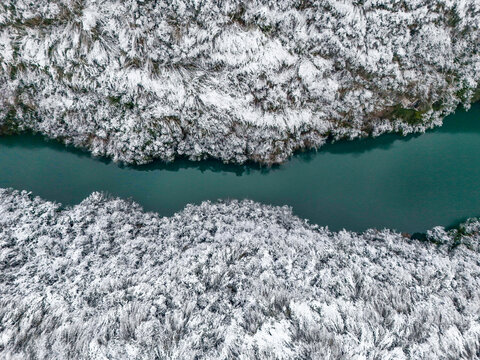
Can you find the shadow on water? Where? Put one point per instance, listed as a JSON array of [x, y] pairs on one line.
[[462, 124], [459, 122], [29, 140], [455, 224], [361, 146], [212, 165]]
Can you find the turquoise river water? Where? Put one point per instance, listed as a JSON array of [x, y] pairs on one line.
[[406, 183]]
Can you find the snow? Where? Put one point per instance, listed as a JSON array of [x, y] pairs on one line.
[[255, 80], [103, 279], [273, 338], [89, 18]]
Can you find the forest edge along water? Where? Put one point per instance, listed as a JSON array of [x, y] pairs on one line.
[[409, 184]]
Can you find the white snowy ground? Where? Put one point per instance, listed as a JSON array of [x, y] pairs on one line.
[[236, 80], [104, 280]]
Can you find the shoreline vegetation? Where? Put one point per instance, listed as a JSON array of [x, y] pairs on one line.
[[409, 183], [227, 280], [237, 82]]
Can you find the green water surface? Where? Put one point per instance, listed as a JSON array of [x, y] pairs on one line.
[[406, 183]]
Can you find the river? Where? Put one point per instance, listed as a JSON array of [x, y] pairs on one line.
[[405, 183]]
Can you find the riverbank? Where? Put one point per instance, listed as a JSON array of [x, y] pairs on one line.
[[237, 82], [407, 183], [221, 280]]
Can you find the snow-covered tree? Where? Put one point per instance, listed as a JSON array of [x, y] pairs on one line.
[[137, 80], [104, 280]]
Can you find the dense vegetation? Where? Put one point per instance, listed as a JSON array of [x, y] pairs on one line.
[[104, 280], [137, 80]]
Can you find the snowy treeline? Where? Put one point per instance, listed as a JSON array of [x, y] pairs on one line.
[[236, 80], [227, 280]]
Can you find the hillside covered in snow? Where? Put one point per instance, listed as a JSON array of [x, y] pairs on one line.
[[105, 280], [138, 80]]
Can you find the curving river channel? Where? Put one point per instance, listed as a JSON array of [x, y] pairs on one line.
[[405, 183]]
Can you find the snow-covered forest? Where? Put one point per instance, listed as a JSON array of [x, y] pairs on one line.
[[137, 80], [105, 280]]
